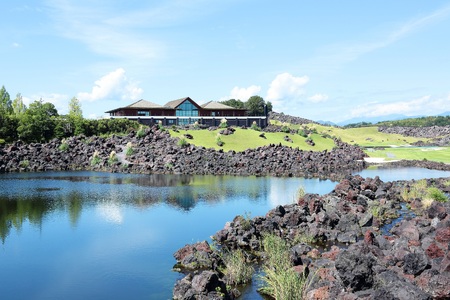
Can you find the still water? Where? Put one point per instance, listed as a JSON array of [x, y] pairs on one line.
[[90, 235]]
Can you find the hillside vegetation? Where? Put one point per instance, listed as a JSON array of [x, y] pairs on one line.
[[376, 144]]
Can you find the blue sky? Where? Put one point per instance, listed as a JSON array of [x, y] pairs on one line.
[[322, 60]]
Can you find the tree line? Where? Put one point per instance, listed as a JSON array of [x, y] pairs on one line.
[[255, 105], [40, 121], [419, 122]]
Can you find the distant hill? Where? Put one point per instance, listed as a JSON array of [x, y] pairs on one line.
[[374, 120]]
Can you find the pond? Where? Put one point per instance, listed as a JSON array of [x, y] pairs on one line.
[[72, 235]]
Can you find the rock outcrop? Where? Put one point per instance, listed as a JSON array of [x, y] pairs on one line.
[[156, 152], [345, 242]]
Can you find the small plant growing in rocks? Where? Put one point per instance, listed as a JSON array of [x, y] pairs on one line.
[[64, 146], [160, 125], [237, 270], [112, 158], [280, 279], [182, 142], [141, 131], [129, 150], [24, 163], [95, 160]]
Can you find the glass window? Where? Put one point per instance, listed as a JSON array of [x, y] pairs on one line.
[[143, 113], [187, 109]]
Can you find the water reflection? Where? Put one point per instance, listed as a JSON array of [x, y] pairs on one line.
[[32, 197]]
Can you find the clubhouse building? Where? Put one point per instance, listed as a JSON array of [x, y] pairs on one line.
[[186, 111]]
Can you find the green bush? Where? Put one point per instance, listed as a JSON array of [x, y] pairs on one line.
[[255, 126], [237, 270], [280, 279], [182, 142], [112, 158], [24, 163], [129, 151], [219, 141], [64, 146], [141, 132], [223, 123], [95, 159], [436, 194]]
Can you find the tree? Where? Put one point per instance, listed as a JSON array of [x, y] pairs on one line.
[[5, 101], [234, 103], [255, 106], [76, 116], [38, 122], [18, 106], [269, 106], [75, 108]]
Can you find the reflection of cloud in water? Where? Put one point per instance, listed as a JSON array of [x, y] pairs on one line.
[[282, 191], [110, 212]]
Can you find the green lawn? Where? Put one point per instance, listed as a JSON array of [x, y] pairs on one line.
[[396, 146], [244, 139], [439, 154], [364, 136]]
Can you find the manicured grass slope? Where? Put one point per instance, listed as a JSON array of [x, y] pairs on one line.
[[244, 139], [396, 146]]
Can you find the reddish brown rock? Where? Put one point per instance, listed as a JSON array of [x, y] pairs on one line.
[[434, 251], [443, 235]]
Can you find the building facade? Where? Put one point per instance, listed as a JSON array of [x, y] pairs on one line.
[[186, 111]]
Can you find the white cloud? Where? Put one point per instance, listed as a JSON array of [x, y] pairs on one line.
[[60, 101], [285, 88], [425, 105], [112, 85], [318, 98], [243, 93]]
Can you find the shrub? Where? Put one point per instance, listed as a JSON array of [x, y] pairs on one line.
[[182, 142], [237, 270], [300, 193], [436, 194], [24, 163], [219, 141], [160, 125], [64, 146], [112, 158], [285, 128], [223, 123], [302, 133], [255, 126], [129, 150], [280, 279], [141, 132], [95, 160]]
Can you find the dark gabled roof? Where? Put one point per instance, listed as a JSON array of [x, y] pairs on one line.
[[175, 103], [141, 104], [214, 105], [144, 104]]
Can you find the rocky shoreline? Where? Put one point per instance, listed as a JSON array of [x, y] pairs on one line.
[[353, 254], [155, 152]]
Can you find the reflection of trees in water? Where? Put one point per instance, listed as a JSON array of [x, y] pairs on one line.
[[179, 191]]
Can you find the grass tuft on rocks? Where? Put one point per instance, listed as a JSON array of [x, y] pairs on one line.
[[280, 279], [237, 270]]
